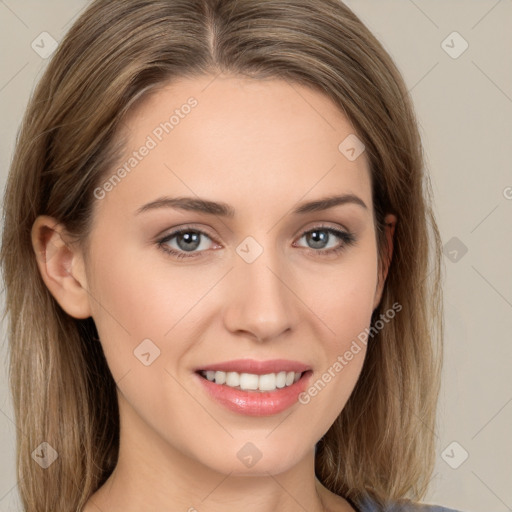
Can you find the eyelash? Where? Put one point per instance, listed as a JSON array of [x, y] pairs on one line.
[[347, 238]]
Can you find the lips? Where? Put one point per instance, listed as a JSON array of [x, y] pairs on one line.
[[257, 367], [254, 403]]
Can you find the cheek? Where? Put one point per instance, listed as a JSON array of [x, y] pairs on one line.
[[136, 310], [344, 305], [343, 298], [125, 307], [134, 298]]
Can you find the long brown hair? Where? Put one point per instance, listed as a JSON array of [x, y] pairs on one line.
[[382, 443]]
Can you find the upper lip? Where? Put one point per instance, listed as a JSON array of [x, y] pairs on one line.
[[257, 367]]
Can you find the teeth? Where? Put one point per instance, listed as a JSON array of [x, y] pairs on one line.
[[267, 382], [232, 379], [250, 381], [281, 379], [219, 377]]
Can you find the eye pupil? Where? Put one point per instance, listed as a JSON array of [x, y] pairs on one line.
[[190, 237], [319, 238]]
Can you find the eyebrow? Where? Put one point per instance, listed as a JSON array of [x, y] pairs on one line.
[[225, 210]]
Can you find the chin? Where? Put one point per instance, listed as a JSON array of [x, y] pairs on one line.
[[255, 458]]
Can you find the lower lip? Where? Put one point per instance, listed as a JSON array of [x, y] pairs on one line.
[[256, 403]]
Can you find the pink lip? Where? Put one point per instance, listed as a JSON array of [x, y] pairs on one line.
[[257, 367], [255, 403]]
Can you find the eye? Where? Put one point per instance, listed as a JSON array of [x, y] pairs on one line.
[[321, 236], [188, 240]]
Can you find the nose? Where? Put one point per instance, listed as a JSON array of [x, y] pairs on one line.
[[261, 301]]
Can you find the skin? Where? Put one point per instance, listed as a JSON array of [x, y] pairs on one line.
[[262, 147]]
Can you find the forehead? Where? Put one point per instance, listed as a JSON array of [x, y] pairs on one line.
[[231, 138]]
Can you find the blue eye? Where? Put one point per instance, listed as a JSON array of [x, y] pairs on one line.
[[321, 235], [188, 240]]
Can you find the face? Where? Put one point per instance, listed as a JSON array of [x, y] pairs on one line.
[[258, 278]]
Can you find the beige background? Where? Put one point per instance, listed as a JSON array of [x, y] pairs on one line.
[[464, 106]]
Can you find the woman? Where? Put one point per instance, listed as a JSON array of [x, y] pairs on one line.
[[186, 173]]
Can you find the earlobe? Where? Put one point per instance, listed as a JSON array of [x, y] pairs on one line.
[[61, 266], [390, 221]]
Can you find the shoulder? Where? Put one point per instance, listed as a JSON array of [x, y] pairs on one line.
[[368, 505]]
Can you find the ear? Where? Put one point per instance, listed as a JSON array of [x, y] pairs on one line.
[[61, 266], [390, 221]]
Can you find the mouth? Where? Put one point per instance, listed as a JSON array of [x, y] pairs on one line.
[[264, 389], [245, 381]]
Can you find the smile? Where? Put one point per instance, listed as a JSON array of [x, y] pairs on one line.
[[264, 396], [251, 381]]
